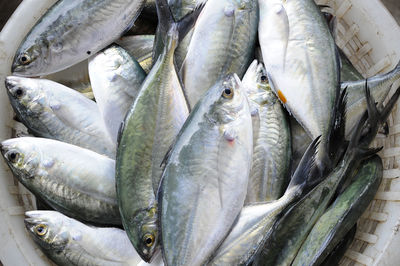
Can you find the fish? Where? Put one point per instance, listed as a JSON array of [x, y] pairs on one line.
[[379, 86], [204, 183], [140, 47], [70, 31], [300, 58], [269, 173], [257, 219], [75, 181], [291, 230], [69, 242], [149, 128], [223, 43], [342, 215], [116, 78], [51, 110]]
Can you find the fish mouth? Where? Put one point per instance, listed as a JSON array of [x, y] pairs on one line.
[[3, 148], [10, 82]]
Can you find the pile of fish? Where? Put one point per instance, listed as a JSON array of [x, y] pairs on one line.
[[236, 134]]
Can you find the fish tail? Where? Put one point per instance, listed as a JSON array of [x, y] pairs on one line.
[[305, 175], [167, 23]]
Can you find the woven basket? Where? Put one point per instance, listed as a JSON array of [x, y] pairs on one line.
[[368, 35]]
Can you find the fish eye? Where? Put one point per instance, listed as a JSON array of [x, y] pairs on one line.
[[227, 93], [24, 59], [41, 229], [264, 78], [19, 92], [13, 156], [148, 240]]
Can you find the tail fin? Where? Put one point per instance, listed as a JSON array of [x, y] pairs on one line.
[[303, 177], [336, 143], [166, 19]]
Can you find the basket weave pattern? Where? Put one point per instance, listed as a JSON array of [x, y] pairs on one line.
[[363, 250]]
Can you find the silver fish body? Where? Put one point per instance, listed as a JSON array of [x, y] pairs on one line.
[[223, 42], [69, 242], [54, 111], [72, 180], [149, 129], [204, 184], [271, 139], [116, 78], [70, 31], [299, 56]]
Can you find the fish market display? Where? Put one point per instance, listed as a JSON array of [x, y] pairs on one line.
[[72, 30], [51, 110], [69, 242], [72, 180], [169, 147], [271, 139], [116, 79]]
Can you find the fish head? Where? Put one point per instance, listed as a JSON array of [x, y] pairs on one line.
[[145, 240], [22, 158], [47, 229], [32, 59], [228, 100], [25, 94]]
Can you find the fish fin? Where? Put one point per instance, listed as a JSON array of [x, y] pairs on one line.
[[188, 21], [336, 136], [167, 21], [303, 176], [369, 124]]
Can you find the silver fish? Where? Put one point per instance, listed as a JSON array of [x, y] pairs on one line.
[[72, 180], [149, 129], [204, 184], [69, 242], [300, 58], [70, 31], [116, 78], [54, 111], [271, 139], [223, 42]]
